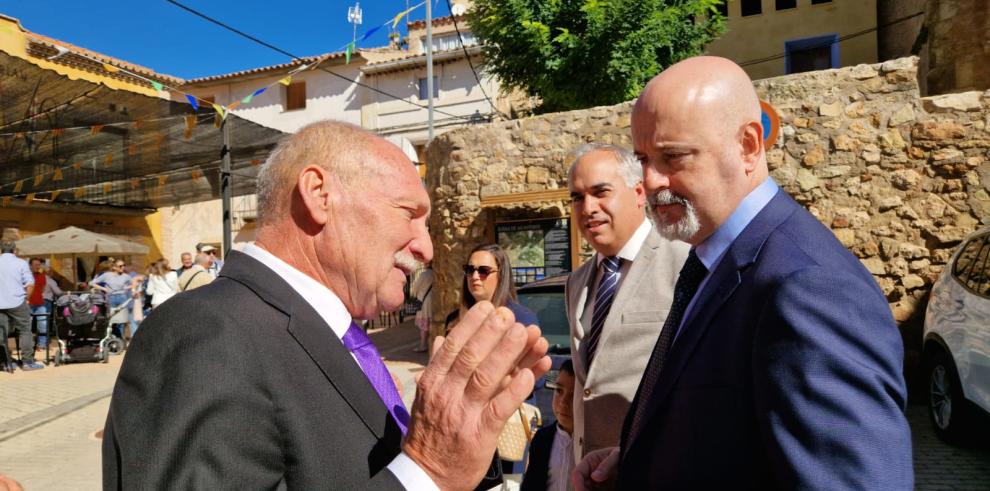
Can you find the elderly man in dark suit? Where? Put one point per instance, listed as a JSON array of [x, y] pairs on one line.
[[262, 379], [779, 366]]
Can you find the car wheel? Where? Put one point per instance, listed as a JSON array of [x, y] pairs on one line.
[[947, 408]]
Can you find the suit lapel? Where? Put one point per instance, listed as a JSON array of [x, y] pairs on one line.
[[316, 338], [721, 284], [579, 298]]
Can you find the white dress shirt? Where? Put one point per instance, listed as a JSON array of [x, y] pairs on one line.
[[333, 312], [561, 462], [627, 254]]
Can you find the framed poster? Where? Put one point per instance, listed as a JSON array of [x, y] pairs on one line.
[[537, 249]]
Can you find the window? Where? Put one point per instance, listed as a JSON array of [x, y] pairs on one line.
[[809, 54], [819, 2], [723, 8], [447, 42], [972, 263], [786, 4], [751, 7], [295, 96], [423, 88]]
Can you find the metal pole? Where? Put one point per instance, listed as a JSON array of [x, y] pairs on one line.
[[225, 184], [429, 70]]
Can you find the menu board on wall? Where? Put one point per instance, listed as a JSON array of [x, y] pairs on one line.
[[537, 249]]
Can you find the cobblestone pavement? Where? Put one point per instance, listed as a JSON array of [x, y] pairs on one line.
[[49, 419]]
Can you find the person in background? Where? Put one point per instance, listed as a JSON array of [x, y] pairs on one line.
[[422, 290], [16, 286], [215, 263], [187, 263], [197, 275], [551, 453], [42, 299], [162, 282], [117, 284], [488, 277]]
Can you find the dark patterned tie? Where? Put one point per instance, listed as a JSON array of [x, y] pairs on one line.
[[371, 363], [692, 273], [603, 302]]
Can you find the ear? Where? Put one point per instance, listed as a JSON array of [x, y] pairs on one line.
[[640, 194], [752, 145], [313, 185]]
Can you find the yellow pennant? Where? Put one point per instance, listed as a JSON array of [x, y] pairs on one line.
[[109, 159], [107, 187], [78, 193], [29, 198], [77, 165], [18, 186], [232, 105], [6, 201], [217, 120], [286, 81], [132, 149], [19, 134], [195, 174], [38, 179], [96, 128], [219, 109], [110, 68], [161, 180], [55, 194], [190, 124], [138, 123], [256, 162], [58, 175], [57, 132]]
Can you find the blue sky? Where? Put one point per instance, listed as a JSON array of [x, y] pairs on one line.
[[165, 38]]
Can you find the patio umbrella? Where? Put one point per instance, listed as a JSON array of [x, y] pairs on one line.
[[74, 241]]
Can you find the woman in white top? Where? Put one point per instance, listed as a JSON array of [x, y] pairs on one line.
[[162, 282]]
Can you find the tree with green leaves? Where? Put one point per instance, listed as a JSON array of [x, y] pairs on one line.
[[574, 54]]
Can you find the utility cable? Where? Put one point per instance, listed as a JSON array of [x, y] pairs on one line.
[[460, 39]]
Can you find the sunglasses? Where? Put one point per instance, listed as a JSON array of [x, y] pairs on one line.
[[483, 271]]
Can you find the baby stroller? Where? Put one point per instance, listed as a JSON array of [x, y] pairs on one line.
[[83, 330]]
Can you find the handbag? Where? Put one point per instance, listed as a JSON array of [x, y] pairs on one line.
[[518, 432]]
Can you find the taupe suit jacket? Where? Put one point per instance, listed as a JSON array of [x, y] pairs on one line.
[[602, 397]]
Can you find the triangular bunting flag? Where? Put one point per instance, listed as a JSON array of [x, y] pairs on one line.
[[232, 105], [110, 68], [132, 149], [259, 92], [109, 160], [286, 81], [77, 165], [138, 123], [247, 100], [107, 187], [256, 162], [29, 198], [193, 102], [78, 193], [217, 121], [219, 109], [55, 195], [58, 175], [135, 183], [347, 54], [57, 132], [157, 86], [399, 17], [96, 128], [369, 33], [19, 134], [38, 179], [190, 124], [196, 174], [6, 201], [161, 180], [18, 186]]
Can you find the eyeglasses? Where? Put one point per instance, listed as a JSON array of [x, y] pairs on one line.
[[118, 265], [483, 271]]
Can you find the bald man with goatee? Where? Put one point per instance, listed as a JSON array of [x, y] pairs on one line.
[[779, 365]]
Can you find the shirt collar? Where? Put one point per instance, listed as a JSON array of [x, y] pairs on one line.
[[633, 245], [323, 301], [712, 249]]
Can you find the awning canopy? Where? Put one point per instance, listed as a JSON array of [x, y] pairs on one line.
[[77, 241], [68, 140]]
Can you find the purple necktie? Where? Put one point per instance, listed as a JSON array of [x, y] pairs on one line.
[[367, 356]]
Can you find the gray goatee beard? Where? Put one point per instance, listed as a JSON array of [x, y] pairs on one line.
[[685, 228]]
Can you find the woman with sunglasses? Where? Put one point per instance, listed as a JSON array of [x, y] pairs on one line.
[[488, 277]]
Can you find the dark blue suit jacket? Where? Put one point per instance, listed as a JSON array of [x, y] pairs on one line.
[[786, 374]]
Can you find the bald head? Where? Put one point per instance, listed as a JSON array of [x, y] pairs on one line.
[[698, 129], [353, 154]]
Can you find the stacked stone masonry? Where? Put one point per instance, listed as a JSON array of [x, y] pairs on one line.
[[899, 179]]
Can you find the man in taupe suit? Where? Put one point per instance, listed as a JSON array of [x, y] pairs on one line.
[[618, 301]]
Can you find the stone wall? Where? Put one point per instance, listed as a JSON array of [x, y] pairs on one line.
[[900, 179]]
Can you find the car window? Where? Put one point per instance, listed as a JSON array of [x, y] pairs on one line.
[[972, 267], [549, 308]]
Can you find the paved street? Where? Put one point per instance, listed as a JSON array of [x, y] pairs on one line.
[[50, 418]]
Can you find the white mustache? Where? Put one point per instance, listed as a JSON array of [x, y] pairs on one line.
[[407, 262], [666, 197]]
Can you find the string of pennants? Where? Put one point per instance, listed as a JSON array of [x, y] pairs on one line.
[[222, 110]]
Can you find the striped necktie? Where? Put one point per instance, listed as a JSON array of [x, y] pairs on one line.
[[604, 296]]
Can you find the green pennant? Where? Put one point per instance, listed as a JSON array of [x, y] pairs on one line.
[[247, 100], [157, 86], [347, 54]]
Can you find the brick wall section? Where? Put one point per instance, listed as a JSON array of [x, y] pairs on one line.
[[899, 179]]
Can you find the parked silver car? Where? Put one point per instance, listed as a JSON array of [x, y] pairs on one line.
[[957, 341]]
